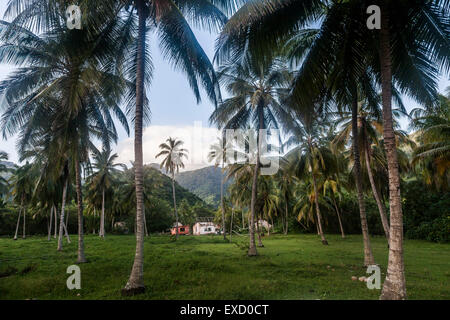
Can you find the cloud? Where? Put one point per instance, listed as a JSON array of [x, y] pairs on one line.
[[197, 140]]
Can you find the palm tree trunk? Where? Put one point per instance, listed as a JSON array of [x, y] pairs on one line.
[[81, 258], [50, 225], [145, 223], [287, 224], [394, 287], [55, 212], [252, 248], [24, 221], [102, 218], [61, 219], [319, 215], [338, 215], [222, 202], [380, 205], [231, 224], [18, 220], [368, 256], [66, 224], [175, 205], [135, 284], [258, 231]]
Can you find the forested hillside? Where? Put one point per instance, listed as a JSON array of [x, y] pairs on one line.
[[205, 183]]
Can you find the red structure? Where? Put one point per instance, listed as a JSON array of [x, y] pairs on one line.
[[181, 230]]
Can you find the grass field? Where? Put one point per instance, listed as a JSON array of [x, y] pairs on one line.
[[289, 267]]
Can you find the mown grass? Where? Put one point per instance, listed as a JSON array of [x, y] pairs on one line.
[[288, 267]]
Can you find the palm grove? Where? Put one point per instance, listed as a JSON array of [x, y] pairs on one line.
[[311, 68]]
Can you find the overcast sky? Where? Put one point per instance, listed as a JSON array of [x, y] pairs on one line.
[[174, 111]]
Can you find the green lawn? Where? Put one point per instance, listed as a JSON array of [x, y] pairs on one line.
[[289, 267]]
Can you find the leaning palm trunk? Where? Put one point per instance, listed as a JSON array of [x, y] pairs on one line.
[[319, 215], [50, 225], [135, 284], [55, 212], [81, 258], [394, 287], [102, 218], [368, 256], [175, 205], [61, 219], [18, 220], [66, 224], [338, 215], [380, 204], [223, 204]]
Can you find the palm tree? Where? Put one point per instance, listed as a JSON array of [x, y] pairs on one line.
[[3, 170], [218, 154], [23, 181], [84, 91], [285, 182], [172, 162], [103, 178], [257, 92], [311, 158], [395, 48], [182, 49], [433, 153]]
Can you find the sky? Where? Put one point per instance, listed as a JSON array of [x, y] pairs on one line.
[[174, 109]]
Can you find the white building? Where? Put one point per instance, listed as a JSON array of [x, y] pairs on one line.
[[205, 227]]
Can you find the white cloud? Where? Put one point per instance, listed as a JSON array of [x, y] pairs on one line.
[[197, 140]]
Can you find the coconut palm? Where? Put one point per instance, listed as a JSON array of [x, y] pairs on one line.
[[3, 170], [257, 91], [173, 161], [68, 75], [390, 51], [182, 49], [23, 182], [102, 177], [218, 154], [433, 152], [310, 158]]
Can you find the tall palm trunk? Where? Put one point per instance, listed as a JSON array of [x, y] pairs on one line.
[[24, 222], [61, 219], [252, 248], [175, 204], [49, 236], [135, 284], [319, 215], [231, 224], [81, 258], [66, 224], [102, 218], [394, 287], [18, 219], [287, 220], [222, 202], [380, 204], [338, 215], [258, 231], [55, 212], [368, 256]]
